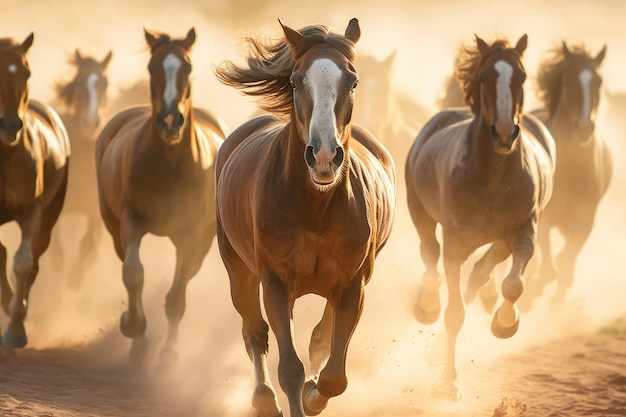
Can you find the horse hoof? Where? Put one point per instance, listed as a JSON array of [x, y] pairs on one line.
[[134, 330], [307, 392], [264, 401], [167, 358], [15, 336], [426, 316], [139, 352], [503, 332]]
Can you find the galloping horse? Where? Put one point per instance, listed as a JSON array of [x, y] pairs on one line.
[[155, 174], [569, 86], [34, 157], [84, 98], [484, 175], [303, 206]]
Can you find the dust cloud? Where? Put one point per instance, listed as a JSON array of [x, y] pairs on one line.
[[393, 361]]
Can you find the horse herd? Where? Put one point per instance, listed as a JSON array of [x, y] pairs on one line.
[[302, 199]]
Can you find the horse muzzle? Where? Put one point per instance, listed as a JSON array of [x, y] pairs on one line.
[[9, 129], [169, 126], [504, 139], [324, 165]]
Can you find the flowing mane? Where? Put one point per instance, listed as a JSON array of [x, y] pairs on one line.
[[270, 64], [470, 61], [551, 69]]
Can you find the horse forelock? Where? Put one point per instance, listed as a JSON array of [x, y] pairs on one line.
[[470, 63], [551, 69]]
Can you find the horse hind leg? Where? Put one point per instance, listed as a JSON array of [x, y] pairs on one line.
[[481, 277], [566, 262], [87, 252]]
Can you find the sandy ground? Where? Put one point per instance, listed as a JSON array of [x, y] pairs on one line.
[[565, 363]]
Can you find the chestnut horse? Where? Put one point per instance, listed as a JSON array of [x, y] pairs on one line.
[[569, 87], [484, 175], [34, 157], [303, 206], [84, 99], [155, 174]]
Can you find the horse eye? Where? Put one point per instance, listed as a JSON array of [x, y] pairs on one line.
[[293, 86]]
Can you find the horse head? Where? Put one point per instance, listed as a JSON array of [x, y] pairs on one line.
[[323, 82], [500, 81], [170, 87], [14, 75]]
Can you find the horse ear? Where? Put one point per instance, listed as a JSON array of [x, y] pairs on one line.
[[190, 39], [390, 60], [293, 37], [77, 56], [150, 38], [107, 59], [565, 49], [483, 48], [28, 42], [353, 31], [521, 45], [600, 57]]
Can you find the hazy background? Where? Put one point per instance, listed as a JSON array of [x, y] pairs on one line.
[[393, 361]]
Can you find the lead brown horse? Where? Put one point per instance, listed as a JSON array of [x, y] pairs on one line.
[[485, 176], [302, 207], [569, 86], [83, 98], [155, 174], [34, 157]]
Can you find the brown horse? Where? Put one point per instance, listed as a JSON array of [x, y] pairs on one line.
[[155, 174], [84, 99], [34, 156], [485, 177], [569, 87], [302, 207]]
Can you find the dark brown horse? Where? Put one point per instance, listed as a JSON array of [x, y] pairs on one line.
[[155, 172], [84, 98], [34, 156], [485, 177], [302, 207], [569, 87]]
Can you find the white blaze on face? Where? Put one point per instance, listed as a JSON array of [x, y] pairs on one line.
[[12, 68], [504, 98], [322, 79], [92, 107], [171, 64], [585, 79]]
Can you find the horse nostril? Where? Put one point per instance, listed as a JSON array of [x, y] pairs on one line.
[[19, 125], [338, 158], [309, 157], [180, 118], [494, 132], [515, 132]]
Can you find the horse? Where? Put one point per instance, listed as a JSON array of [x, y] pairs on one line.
[[569, 84], [303, 206], [34, 159], [84, 98], [155, 174], [484, 175], [392, 115]]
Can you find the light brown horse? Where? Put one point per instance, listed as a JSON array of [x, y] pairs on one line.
[[84, 97], [484, 176], [155, 172], [34, 157], [302, 207], [569, 87]]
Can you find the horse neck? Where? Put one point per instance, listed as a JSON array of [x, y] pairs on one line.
[[483, 160]]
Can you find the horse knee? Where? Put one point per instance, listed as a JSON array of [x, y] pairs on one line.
[[23, 262], [290, 374]]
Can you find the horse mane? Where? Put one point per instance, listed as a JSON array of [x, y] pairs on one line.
[[467, 70], [270, 64], [551, 69]]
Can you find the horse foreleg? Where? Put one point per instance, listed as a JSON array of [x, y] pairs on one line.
[[87, 252], [6, 292], [506, 319], [428, 306], [454, 317], [190, 252], [332, 379], [319, 347], [566, 261], [278, 307], [482, 274]]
